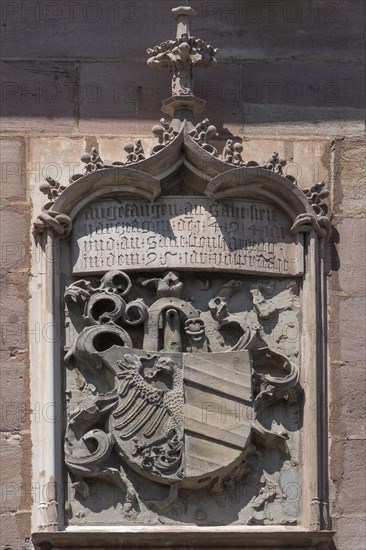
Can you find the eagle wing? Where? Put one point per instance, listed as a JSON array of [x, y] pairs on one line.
[[141, 409]]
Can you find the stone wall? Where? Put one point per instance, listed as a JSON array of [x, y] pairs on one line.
[[290, 79]]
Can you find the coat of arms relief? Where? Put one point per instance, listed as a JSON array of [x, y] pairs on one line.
[[193, 333], [185, 383]]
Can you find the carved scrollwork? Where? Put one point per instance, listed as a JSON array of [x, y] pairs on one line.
[[92, 161], [116, 282], [202, 133], [320, 222], [113, 282], [273, 388], [232, 153], [135, 152], [87, 451], [60, 223], [92, 341], [165, 134], [52, 188], [82, 456], [306, 222], [104, 309], [315, 196]]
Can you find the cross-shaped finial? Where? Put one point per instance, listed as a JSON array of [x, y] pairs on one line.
[[182, 55]]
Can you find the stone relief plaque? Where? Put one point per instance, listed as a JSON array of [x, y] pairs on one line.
[[192, 325], [183, 389], [186, 233]]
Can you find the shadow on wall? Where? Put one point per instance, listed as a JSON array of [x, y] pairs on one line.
[[278, 63]]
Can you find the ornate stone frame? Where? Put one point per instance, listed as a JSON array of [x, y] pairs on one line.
[[142, 180], [181, 146]]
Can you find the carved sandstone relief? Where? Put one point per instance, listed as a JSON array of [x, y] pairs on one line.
[[179, 395], [194, 311]]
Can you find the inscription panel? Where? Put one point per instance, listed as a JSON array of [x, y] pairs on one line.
[[186, 233]]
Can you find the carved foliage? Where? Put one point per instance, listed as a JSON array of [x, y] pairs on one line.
[[182, 55], [315, 195], [202, 134], [320, 221], [52, 188], [165, 134]]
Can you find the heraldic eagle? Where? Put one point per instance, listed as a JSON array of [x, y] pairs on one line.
[[150, 416]]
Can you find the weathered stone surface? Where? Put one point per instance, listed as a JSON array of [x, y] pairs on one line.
[[38, 96], [115, 96], [246, 95], [13, 184], [347, 399], [352, 253], [260, 150], [184, 407], [55, 157], [352, 178], [111, 149], [352, 154], [14, 307], [256, 94], [14, 475], [352, 491], [14, 390], [15, 529], [352, 314], [14, 233], [311, 162], [350, 531]]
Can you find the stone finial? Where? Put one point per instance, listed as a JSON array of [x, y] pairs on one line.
[[183, 15], [182, 55]]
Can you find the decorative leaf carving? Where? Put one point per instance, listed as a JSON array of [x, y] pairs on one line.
[[183, 54], [52, 188], [135, 152], [202, 133], [315, 195]]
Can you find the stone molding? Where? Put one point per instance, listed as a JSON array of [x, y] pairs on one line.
[[249, 537], [140, 179]]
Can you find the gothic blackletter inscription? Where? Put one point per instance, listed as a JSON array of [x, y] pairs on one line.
[[186, 233]]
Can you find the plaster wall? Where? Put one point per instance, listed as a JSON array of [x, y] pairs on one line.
[[290, 79]]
